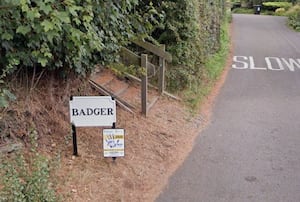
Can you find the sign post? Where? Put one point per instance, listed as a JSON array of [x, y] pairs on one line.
[[91, 111], [75, 152]]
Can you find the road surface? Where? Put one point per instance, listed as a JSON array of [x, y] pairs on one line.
[[251, 150]]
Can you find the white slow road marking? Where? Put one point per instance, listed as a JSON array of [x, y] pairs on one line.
[[271, 63]]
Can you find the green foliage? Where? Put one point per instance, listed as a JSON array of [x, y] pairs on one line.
[[68, 35], [294, 17], [73, 36], [215, 64], [280, 11], [191, 33], [122, 70], [268, 8], [212, 70], [26, 180], [242, 11], [5, 97], [275, 5]]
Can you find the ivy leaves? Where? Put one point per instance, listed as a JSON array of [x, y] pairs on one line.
[[191, 33], [23, 29], [68, 34]]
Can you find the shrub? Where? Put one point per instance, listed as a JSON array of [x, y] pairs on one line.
[[235, 5], [191, 33], [211, 71], [294, 17], [26, 181], [272, 6], [280, 11], [243, 11], [67, 36]]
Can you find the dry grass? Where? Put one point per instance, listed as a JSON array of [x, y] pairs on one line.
[[155, 146]]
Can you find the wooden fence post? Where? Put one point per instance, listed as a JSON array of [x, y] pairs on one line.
[[161, 76], [144, 88]]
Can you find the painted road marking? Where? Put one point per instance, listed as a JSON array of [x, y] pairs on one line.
[[271, 63]]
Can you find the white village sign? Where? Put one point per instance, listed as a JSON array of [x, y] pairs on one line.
[[90, 111]]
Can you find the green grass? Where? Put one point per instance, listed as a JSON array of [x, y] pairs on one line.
[[243, 11], [215, 63]]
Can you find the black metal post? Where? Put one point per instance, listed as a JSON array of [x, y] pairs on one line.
[[75, 152], [114, 127]]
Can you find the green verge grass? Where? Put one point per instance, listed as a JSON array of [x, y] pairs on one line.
[[243, 11]]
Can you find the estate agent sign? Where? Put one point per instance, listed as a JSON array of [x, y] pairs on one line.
[[113, 142]]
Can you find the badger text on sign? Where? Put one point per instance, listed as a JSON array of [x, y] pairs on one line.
[[270, 63], [92, 111]]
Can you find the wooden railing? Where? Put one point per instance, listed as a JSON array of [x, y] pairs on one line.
[[131, 58]]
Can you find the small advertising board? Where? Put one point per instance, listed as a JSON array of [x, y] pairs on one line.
[[113, 142]]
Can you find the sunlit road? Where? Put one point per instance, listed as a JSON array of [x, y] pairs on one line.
[[251, 150]]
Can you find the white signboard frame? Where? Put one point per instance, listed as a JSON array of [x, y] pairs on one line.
[[91, 111], [114, 142]]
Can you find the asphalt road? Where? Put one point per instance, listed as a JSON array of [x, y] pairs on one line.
[[251, 149]]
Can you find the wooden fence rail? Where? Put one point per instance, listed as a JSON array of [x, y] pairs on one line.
[[131, 58]]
